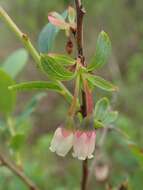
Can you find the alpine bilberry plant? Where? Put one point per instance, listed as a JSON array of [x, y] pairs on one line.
[[84, 116]]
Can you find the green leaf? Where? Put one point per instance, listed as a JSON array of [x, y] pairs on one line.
[[101, 109], [102, 112], [101, 83], [54, 70], [98, 124], [71, 14], [47, 36], [36, 85], [62, 59], [7, 98], [110, 117], [43, 85], [17, 141], [29, 108], [14, 64], [103, 50]]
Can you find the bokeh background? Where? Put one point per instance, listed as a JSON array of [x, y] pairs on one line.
[[116, 163]]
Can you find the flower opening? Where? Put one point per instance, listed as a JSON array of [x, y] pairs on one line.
[[84, 144]]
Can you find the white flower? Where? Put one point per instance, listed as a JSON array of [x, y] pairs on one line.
[[84, 144], [62, 141]]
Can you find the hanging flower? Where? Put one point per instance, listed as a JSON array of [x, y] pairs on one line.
[[62, 141], [84, 144]]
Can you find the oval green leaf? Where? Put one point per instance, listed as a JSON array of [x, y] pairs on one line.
[[110, 117], [101, 83], [103, 51], [47, 36], [14, 64], [54, 70], [36, 85], [62, 59], [101, 109]]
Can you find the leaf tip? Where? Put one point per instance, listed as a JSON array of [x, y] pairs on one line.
[[104, 34]]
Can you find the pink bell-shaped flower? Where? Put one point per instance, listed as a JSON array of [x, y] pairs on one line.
[[62, 141], [84, 144]]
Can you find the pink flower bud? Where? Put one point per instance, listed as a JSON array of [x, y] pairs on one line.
[[62, 141], [84, 144]]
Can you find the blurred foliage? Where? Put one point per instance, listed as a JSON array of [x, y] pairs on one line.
[[123, 21]]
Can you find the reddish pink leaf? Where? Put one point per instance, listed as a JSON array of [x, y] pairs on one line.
[[58, 22]]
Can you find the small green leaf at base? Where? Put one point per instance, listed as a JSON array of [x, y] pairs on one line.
[[103, 114]]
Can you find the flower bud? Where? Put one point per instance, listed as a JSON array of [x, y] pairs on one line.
[[69, 46]]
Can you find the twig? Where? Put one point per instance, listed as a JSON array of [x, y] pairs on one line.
[[79, 33], [18, 172], [84, 174], [79, 39]]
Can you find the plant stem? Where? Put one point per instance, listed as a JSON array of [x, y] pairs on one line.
[[28, 45], [17, 172], [84, 174], [36, 56], [79, 39], [73, 106], [88, 96], [80, 13], [66, 93]]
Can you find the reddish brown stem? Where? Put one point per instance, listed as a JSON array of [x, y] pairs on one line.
[[5, 162], [79, 32], [89, 98], [84, 175], [79, 39]]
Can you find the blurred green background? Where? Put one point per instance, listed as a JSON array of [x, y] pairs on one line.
[[117, 163]]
